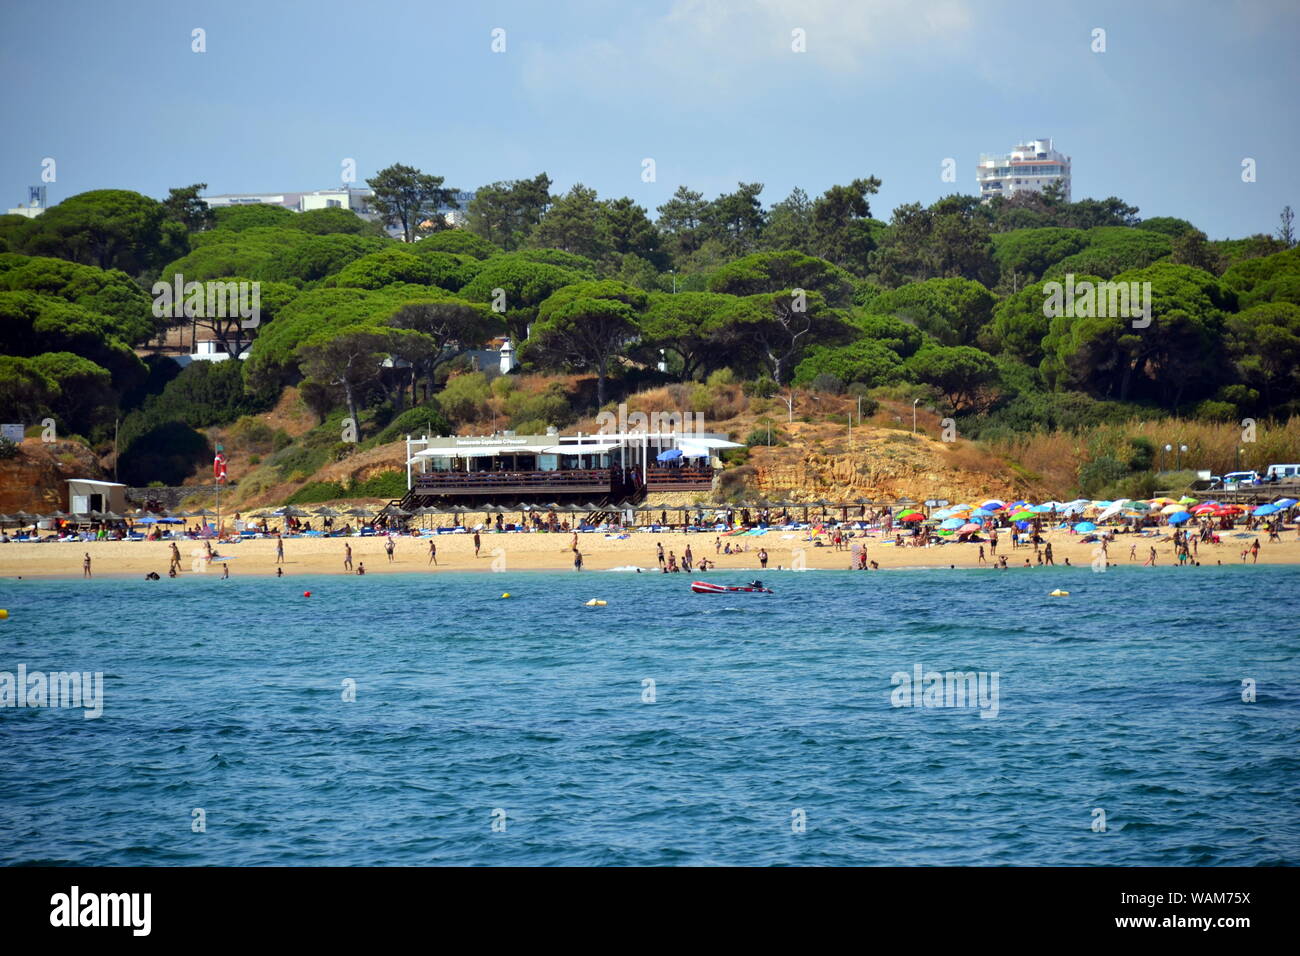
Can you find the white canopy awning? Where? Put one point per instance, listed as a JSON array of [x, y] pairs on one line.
[[479, 451], [577, 449], [708, 442]]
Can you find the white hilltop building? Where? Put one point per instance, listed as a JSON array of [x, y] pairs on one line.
[[1029, 167]]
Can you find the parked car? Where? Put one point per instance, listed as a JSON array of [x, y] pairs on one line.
[[1235, 479], [1282, 473]]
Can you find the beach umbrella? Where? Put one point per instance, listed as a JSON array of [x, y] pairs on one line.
[[1208, 508], [956, 508], [1083, 527], [952, 524], [1187, 500], [992, 505], [1023, 514], [1285, 502], [1042, 509], [1180, 517], [1173, 508], [202, 513], [968, 528], [981, 513], [912, 516], [1266, 510], [1139, 506]]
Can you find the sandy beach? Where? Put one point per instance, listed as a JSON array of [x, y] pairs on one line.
[[504, 552]]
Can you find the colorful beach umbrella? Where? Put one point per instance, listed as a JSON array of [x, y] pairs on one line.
[[967, 528], [1083, 527], [912, 516], [1172, 509], [1022, 514]]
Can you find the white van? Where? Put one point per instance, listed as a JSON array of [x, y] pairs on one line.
[[1282, 473], [1235, 479]]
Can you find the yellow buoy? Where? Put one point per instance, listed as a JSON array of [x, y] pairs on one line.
[[3, 614], [506, 595], [594, 603], [1059, 593]]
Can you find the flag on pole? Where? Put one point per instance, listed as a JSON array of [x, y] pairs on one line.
[[219, 467]]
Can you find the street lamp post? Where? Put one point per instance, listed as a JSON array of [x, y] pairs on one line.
[[1182, 450], [914, 404], [1164, 459]]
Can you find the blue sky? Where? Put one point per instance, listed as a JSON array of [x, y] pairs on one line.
[[709, 89]]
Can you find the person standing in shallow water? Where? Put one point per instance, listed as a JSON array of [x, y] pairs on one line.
[[762, 557]]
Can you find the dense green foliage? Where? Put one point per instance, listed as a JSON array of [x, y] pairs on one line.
[[950, 301]]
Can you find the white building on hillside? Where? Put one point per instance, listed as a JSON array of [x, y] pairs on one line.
[[1029, 167]]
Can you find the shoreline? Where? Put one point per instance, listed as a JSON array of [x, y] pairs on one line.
[[504, 552]]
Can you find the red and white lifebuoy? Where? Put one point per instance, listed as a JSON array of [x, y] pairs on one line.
[[219, 468]]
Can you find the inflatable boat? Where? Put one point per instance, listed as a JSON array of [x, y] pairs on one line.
[[704, 587]]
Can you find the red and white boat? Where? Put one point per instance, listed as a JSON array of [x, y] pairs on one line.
[[704, 587]]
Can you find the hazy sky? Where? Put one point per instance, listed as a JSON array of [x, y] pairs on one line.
[[711, 90]]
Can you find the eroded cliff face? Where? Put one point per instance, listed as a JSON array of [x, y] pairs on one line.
[[820, 462], [35, 480]]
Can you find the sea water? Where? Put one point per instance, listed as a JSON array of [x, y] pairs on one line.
[[1149, 718]]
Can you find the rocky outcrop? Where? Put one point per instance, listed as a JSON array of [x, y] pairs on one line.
[[35, 480]]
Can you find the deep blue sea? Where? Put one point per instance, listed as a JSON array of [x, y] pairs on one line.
[[518, 731]]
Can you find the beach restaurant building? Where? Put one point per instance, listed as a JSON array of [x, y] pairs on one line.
[[606, 468]]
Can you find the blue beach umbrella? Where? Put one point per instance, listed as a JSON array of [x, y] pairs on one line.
[[669, 455], [1266, 510], [952, 523], [1180, 517], [981, 513], [1022, 525], [1085, 526], [1285, 502], [1042, 509]]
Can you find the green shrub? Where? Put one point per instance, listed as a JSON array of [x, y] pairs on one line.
[[8, 447], [383, 484], [316, 491], [421, 420], [465, 398], [764, 387]]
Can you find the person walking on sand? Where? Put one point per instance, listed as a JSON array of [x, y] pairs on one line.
[[659, 546], [1151, 560], [85, 566], [347, 556], [1254, 552], [577, 559], [1047, 555], [433, 554], [477, 543], [175, 564], [279, 549], [981, 559], [687, 559], [388, 547], [762, 557], [1133, 551]]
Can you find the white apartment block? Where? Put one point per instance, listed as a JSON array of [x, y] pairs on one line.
[[1029, 167]]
